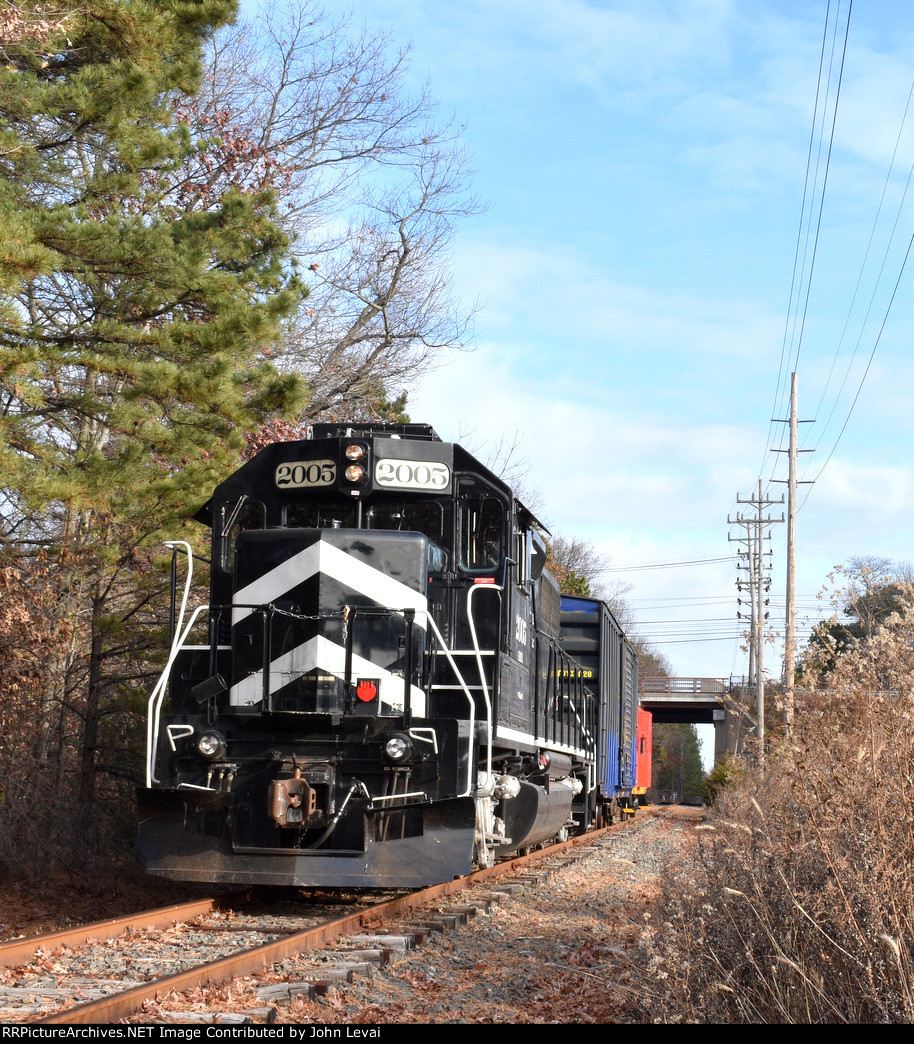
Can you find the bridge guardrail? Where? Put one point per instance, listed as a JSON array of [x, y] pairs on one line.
[[656, 686]]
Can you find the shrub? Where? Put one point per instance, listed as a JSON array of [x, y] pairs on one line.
[[728, 770], [802, 908]]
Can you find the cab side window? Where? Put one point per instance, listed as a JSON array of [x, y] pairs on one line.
[[481, 533], [522, 548]]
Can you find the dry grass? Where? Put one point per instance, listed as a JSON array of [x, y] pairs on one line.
[[801, 911]]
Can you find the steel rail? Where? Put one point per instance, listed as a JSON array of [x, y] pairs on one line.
[[18, 950], [122, 1005]]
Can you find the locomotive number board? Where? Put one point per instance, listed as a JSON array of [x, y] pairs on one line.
[[295, 474], [411, 474]]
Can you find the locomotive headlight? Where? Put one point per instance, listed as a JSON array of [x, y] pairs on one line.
[[211, 745], [356, 474], [398, 748]]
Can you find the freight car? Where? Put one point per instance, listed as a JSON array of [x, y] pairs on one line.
[[384, 689], [593, 636], [643, 753]]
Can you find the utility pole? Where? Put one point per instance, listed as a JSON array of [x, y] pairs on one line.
[[790, 599], [758, 585]]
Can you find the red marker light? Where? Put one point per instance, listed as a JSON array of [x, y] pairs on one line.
[[366, 690]]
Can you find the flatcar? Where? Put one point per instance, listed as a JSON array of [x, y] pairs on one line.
[[384, 688]]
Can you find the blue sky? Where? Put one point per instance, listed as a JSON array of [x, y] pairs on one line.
[[644, 167]]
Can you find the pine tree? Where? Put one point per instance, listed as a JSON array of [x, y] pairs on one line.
[[135, 331], [676, 759]]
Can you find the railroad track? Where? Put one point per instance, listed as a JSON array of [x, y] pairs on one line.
[[106, 971]]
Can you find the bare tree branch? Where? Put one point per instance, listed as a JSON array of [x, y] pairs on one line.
[[370, 187]]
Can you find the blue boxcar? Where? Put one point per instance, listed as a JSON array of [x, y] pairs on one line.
[[592, 635]]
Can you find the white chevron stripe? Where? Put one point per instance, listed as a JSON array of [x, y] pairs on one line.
[[325, 558], [329, 657], [275, 583]]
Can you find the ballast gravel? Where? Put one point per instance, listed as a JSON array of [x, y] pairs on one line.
[[560, 951]]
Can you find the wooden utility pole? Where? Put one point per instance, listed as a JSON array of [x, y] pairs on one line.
[[791, 597], [791, 594], [754, 539]]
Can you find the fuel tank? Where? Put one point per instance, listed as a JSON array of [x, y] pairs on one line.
[[535, 815]]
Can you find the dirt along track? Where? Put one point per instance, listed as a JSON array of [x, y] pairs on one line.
[[274, 962]]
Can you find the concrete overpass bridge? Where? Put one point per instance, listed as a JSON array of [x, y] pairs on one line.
[[700, 701]]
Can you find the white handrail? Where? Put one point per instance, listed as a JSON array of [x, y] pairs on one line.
[[158, 693], [482, 677], [490, 738], [154, 707], [463, 685]]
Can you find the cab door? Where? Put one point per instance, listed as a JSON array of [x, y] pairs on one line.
[[516, 705]]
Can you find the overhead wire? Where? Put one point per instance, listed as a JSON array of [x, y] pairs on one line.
[[666, 565], [877, 282], [868, 365], [818, 162], [794, 325], [797, 324], [859, 283], [831, 141]]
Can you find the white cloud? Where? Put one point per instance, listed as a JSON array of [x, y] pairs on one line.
[[645, 163]]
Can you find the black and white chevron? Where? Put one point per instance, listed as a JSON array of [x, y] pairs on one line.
[[316, 574]]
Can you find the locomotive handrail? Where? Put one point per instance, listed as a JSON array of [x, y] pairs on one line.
[[394, 797], [156, 698], [482, 678], [490, 731], [463, 685], [348, 614], [174, 545]]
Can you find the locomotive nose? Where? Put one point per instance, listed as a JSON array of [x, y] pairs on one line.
[[329, 621]]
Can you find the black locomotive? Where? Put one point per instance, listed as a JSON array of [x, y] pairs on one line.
[[383, 698]]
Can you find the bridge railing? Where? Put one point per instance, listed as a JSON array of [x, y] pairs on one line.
[[656, 686]]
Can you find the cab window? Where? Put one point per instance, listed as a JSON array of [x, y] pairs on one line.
[[321, 515], [437, 558], [522, 557], [243, 515], [410, 516], [480, 527]]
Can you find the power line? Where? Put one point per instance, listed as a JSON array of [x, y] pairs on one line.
[[869, 246], [868, 364], [795, 322], [667, 565]]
